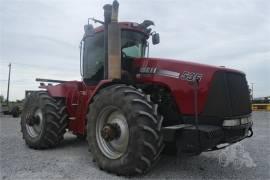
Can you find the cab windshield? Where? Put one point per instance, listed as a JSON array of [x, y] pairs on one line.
[[133, 44]]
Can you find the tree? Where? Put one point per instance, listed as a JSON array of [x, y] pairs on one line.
[[1, 98]]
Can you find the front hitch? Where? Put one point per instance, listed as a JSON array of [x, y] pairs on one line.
[[250, 132]]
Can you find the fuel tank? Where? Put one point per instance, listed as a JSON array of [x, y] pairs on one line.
[[222, 92]]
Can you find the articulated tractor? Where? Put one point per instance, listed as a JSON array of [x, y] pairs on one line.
[[130, 106]]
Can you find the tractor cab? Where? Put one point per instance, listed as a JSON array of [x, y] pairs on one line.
[[133, 42]]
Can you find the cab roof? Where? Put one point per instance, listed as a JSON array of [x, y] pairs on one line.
[[126, 25]]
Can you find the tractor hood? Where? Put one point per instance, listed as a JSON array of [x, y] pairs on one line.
[[180, 66], [177, 69], [177, 76]]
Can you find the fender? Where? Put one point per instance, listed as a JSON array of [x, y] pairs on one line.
[[78, 96], [79, 124]]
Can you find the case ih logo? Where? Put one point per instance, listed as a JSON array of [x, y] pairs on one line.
[[185, 75]]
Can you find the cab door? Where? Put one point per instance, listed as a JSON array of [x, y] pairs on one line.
[[93, 58]]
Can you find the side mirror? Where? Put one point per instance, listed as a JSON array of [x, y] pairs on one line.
[[155, 38], [89, 30]]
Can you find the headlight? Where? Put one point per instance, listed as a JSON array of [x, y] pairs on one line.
[[244, 120], [237, 122], [249, 119], [231, 122]]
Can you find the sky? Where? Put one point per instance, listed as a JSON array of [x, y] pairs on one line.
[[40, 38]]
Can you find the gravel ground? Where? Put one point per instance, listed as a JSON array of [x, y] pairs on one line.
[[249, 159]]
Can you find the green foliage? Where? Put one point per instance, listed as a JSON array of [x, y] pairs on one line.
[[1, 98]]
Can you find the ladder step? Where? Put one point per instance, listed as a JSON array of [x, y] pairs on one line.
[[72, 118], [179, 126]]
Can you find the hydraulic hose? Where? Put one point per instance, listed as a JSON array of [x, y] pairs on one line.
[[196, 123]]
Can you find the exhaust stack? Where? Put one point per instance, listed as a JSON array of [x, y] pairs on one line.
[[112, 42]]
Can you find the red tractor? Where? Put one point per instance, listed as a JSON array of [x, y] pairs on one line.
[[130, 106]]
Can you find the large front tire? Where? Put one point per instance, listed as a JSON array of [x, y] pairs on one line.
[[134, 140], [43, 121]]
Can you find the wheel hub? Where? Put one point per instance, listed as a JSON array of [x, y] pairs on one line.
[[34, 123], [33, 120], [111, 132]]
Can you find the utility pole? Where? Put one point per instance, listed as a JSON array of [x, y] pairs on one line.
[[252, 91], [9, 70]]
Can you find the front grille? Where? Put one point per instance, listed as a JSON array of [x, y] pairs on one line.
[[228, 96], [215, 134]]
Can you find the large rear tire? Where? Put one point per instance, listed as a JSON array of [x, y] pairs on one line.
[[43, 121], [124, 130]]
